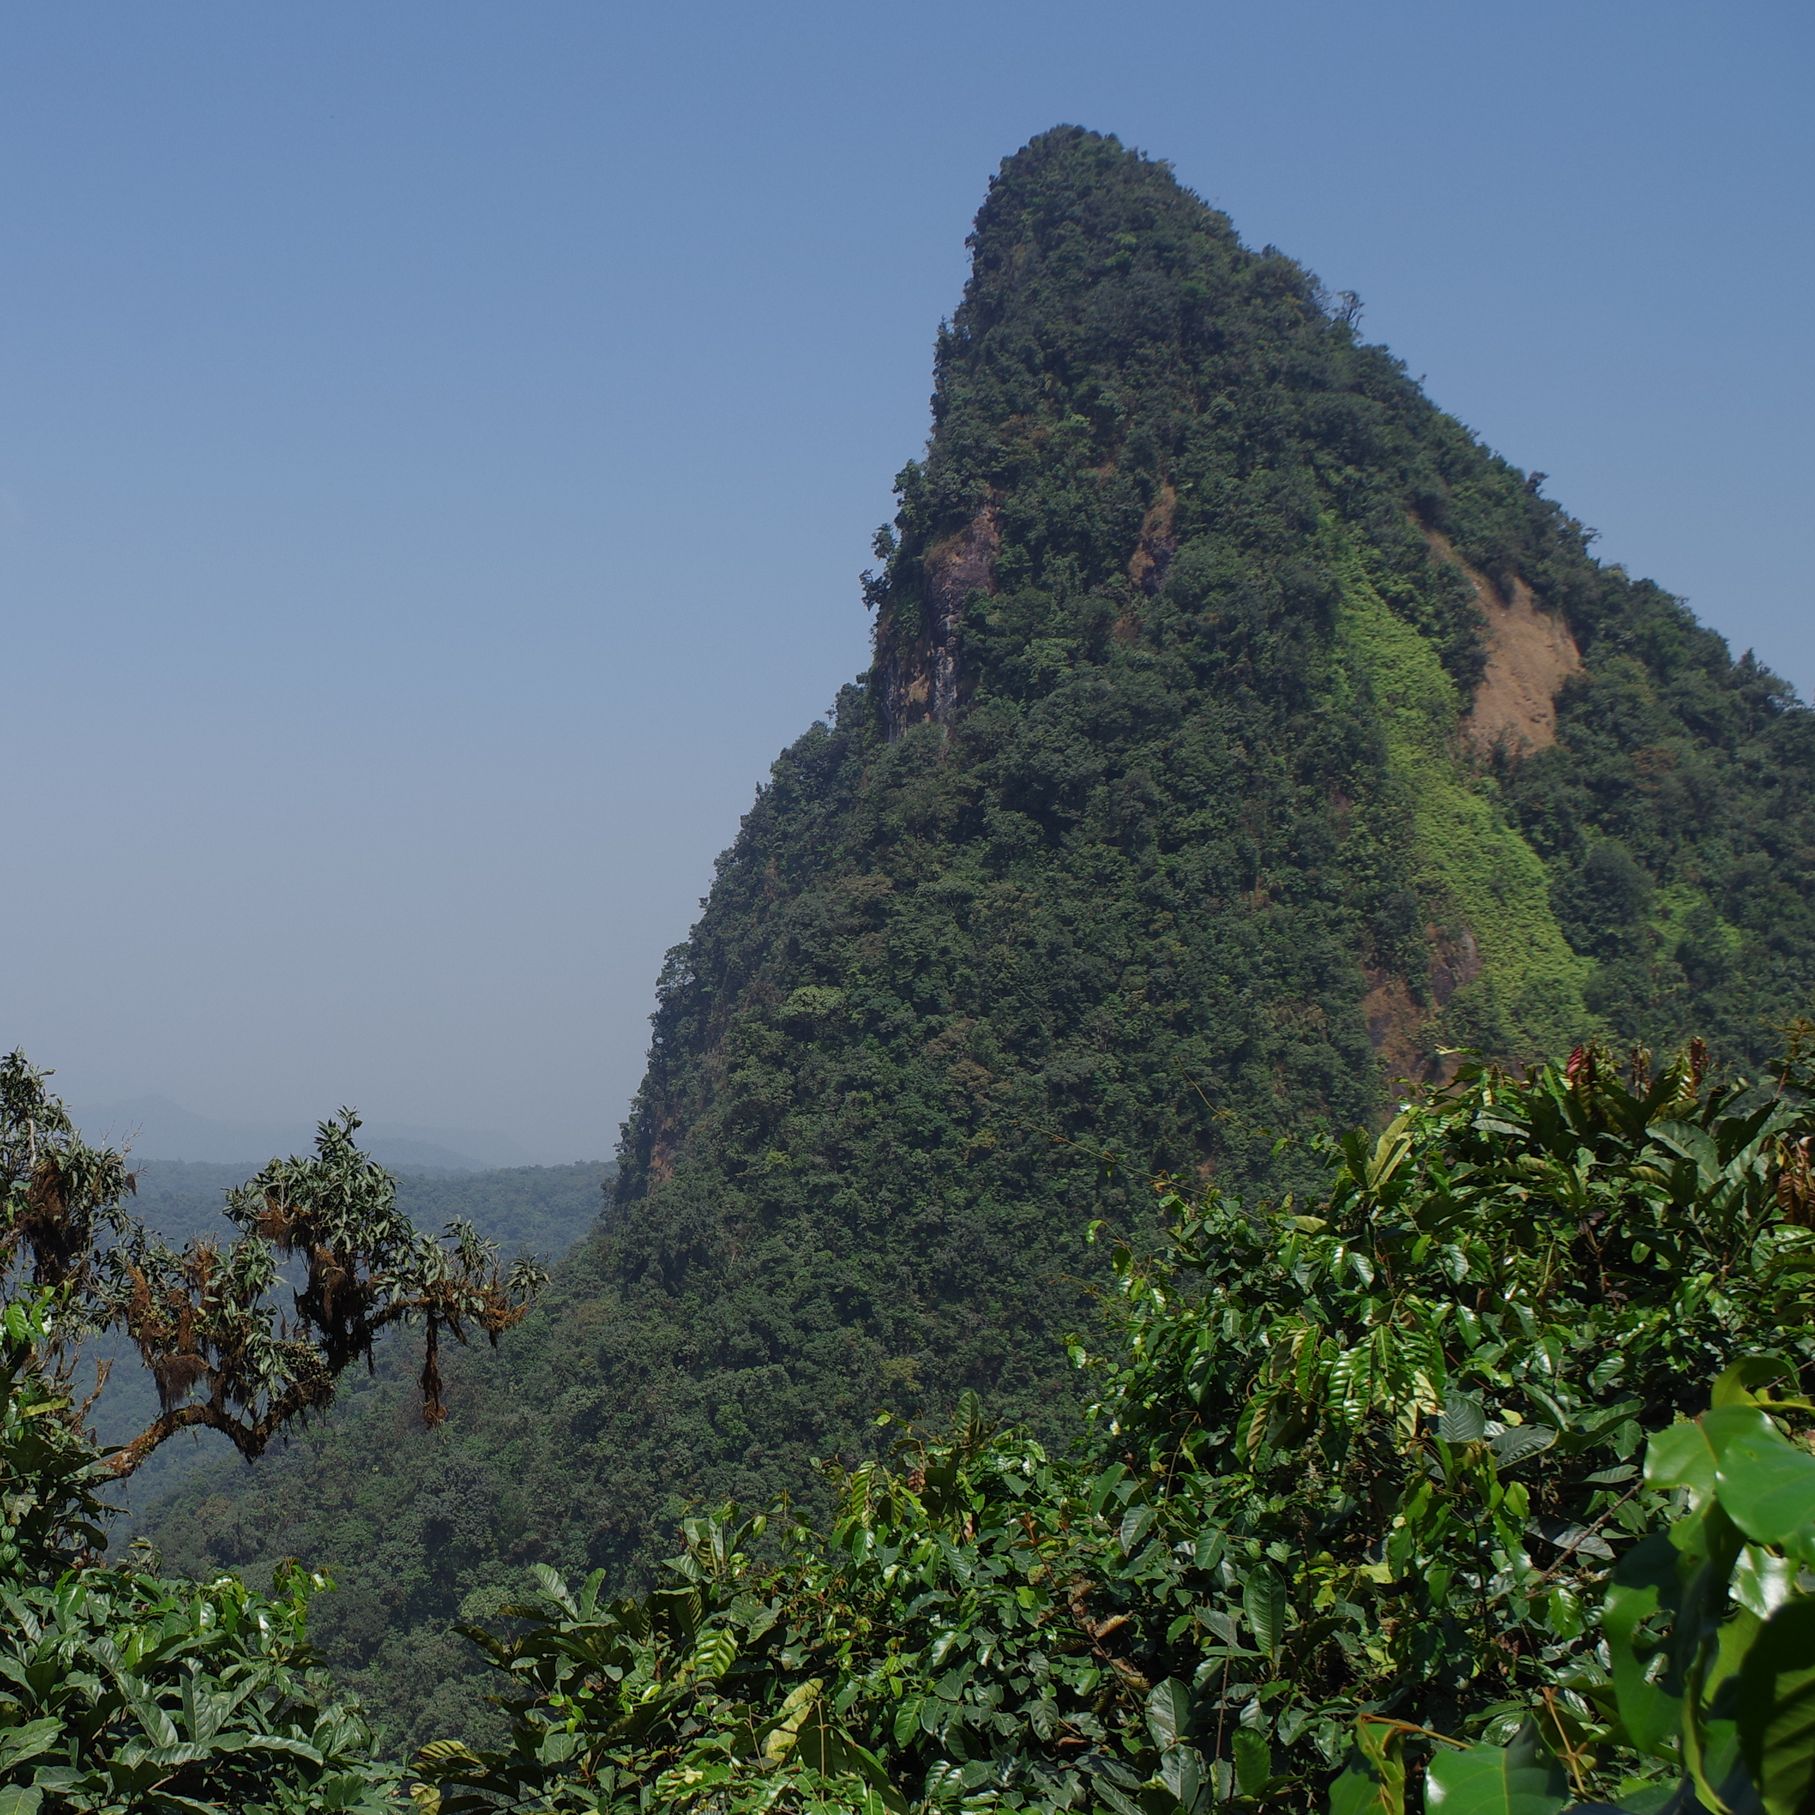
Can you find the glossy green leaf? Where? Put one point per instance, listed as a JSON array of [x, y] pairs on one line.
[[1736, 1383], [28, 1740], [1264, 1604], [1182, 1772], [1776, 1710], [1519, 1442], [1253, 1760], [1767, 1487], [1687, 1455], [1374, 1781], [1494, 1780], [1463, 1420], [1136, 1523], [1168, 1712], [1643, 1585]]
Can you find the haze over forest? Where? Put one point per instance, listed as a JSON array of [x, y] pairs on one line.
[[1244, 745], [1217, 1214], [453, 454]]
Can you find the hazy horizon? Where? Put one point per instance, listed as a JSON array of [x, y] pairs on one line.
[[438, 449]]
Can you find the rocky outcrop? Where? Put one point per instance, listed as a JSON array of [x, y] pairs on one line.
[[920, 674]]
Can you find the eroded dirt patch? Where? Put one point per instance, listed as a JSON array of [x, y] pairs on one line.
[[1530, 654], [1397, 1025]]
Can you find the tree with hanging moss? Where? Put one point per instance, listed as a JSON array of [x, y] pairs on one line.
[[208, 1319]]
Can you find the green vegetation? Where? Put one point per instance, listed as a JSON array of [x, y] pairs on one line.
[[1472, 870], [1366, 1490], [1132, 841], [1408, 1493], [527, 1212], [204, 1319], [122, 1692]]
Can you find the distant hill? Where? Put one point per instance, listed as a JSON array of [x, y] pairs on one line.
[[532, 1210], [155, 1128], [1241, 736]]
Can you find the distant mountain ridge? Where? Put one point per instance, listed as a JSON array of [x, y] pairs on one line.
[[153, 1127], [1242, 736]]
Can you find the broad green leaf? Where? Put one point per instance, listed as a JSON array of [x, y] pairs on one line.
[[159, 1728], [1777, 1710], [714, 1653], [444, 1754], [20, 1800], [1168, 1712], [1734, 1387], [1687, 1454], [1582, 1540], [968, 1428], [1767, 1486], [1374, 1783], [1641, 1587], [1136, 1523], [1264, 1603], [1762, 1583], [1519, 1442], [785, 1734], [1494, 1780], [281, 1743], [555, 1587], [1253, 1760], [1119, 1800], [907, 1720], [1462, 1420], [17, 1744], [1182, 1772], [1105, 1484]]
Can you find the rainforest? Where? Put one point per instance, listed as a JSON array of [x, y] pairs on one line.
[[1220, 1215]]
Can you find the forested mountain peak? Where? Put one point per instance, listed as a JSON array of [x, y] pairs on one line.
[[1082, 251], [1241, 735]]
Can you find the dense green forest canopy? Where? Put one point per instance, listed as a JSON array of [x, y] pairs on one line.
[[1365, 1509], [1241, 736], [1479, 1478]]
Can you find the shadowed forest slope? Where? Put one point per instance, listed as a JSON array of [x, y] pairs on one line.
[[1171, 817]]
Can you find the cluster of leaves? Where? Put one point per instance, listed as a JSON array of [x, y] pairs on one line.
[[1414, 1420], [48, 1508], [122, 1692], [1363, 1479], [527, 1212], [1710, 1637], [1359, 1515], [930, 1634], [119, 1689]]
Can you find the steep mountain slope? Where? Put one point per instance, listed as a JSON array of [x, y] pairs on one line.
[[1240, 733]]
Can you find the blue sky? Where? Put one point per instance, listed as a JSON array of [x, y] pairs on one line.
[[438, 444]]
